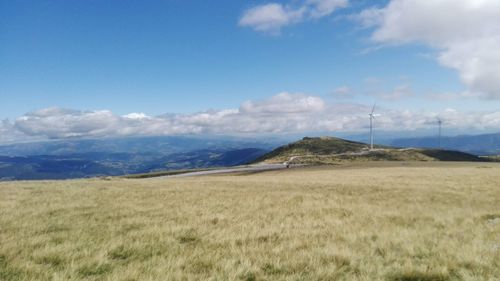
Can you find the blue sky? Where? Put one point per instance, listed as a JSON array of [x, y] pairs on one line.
[[173, 56]]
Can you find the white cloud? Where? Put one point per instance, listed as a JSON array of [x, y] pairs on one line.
[[9, 133], [282, 113], [65, 123], [271, 17], [137, 116], [466, 34], [321, 8]]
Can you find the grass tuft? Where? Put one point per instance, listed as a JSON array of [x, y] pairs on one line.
[[248, 276], [490, 217], [94, 269], [52, 260], [201, 266], [271, 269], [8, 272], [338, 261], [121, 253], [54, 228], [419, 276], [272, 238], [188, 237]]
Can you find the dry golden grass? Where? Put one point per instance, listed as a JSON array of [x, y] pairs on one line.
[[427, 222]]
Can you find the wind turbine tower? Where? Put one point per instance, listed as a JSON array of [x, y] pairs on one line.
[[440, 123], [372, 116]]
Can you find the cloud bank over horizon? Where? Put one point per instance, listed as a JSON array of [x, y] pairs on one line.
[[284, 113]]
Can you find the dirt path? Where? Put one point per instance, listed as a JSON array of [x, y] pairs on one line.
[[251, 168]]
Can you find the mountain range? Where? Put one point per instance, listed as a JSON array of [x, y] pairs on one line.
[[110, 157], [486, 144], [77, 158]]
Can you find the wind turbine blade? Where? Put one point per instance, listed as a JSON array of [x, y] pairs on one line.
[[373, 108]]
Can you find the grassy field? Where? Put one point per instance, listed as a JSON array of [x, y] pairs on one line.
[[396, 222]]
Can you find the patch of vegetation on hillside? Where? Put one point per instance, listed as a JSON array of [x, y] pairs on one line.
[[449, 155], [377, 155], [313, 146]]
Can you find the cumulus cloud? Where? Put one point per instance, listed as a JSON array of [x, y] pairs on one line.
[[466, 34], [271, 17], [135, 115], [65, 123], [284, 112], [279, 114], [9, 133], [322, 8]]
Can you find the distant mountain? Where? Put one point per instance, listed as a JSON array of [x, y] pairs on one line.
[[330, 150], [109, 157], [488, 144], [51, 167], [163, 145], [113, 164], [207, 158]]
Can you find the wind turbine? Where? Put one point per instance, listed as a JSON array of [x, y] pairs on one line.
[[440, 123], [372, 116]]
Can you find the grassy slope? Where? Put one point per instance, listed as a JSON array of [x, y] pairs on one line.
[[325, 150], [307, 146], [428, 222]]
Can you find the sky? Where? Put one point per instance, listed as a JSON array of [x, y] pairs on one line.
[[92, 68]]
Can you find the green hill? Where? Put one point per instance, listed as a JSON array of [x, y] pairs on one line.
[[330, 150]]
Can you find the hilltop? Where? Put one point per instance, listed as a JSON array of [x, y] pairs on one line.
[[329, 150]]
